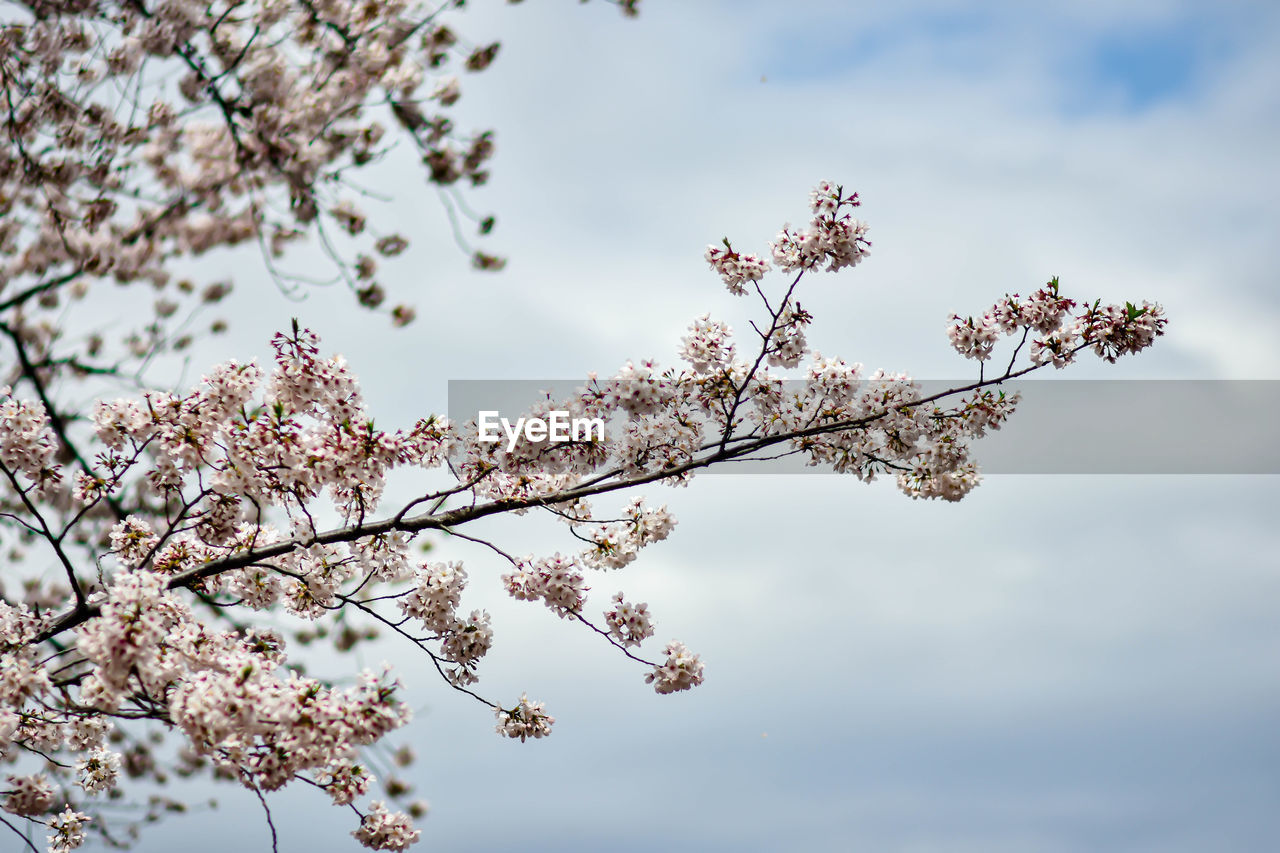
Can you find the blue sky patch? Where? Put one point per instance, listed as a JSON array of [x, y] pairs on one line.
[[1123, 65], [1146, 68]]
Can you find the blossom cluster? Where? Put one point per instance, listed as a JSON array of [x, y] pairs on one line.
[[436, 595], [629, 623], [310, 434], [707, 347], [736, 269], [433, 602], [555, 580], [381, 829], [27, 444], [28, 795], [525, 720], [68, 830], [681, 670], [1111, 330], [833, 238], [615, 544]]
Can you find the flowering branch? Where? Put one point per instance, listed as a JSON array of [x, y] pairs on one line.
[[223, 487]]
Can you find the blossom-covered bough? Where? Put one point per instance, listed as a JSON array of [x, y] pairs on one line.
[[139, 135], [167, 551], [191, 540]]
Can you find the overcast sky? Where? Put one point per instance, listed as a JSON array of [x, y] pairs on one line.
[[1057, 663]]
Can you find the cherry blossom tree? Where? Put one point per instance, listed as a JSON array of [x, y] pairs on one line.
[[169, 548]]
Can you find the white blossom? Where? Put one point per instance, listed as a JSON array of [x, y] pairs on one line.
[[67, 830], [28, 795], [682, 670], [525, 720], [98, 770], [385, 830]]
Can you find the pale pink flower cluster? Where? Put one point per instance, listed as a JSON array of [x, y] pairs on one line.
[[662, 440], [975, 339], [67, 830], [381, 829], [86, 733], [28, 795], [271, 729], [385, 555], [639, 389], [525, 720], [735, 269], [555, 580], [788, 344], [433, 601], [1042, 311], [825, 199], [27, 444], [99, 770], [126, 640], [223, 692], [618, 543], [132, 541], [314, 576], [833, 379], [1111, 330], [436, 595], [832, 238], [344, 781], [467, 640], [707, 347], [942, 468], [258, 587], [22, 675], [1115, 330], [629, 623], [311, 434], [1058, 347], [923, 442], [682, 670]]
